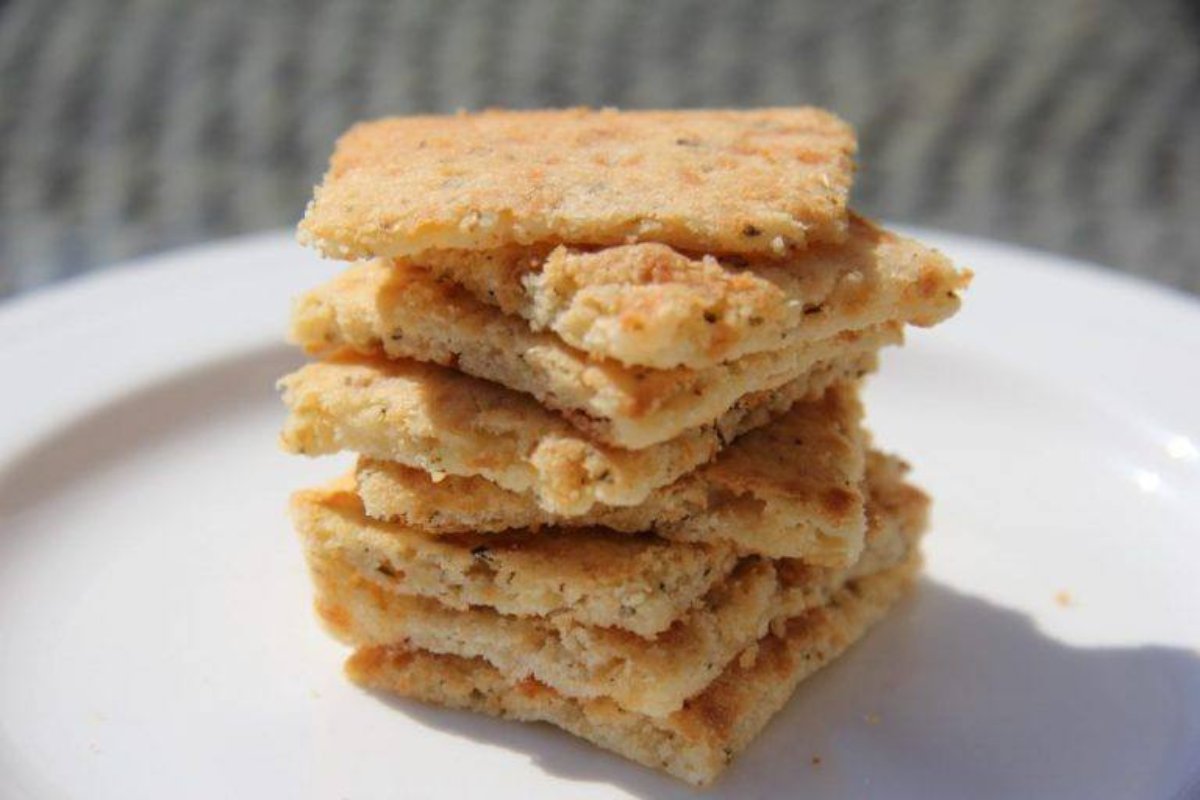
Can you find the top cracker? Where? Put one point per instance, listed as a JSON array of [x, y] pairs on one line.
[[764, 182]]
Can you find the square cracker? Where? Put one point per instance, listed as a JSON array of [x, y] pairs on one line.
[[406, 312], [651, 676], [695, 743], [767, 181], [439, 420], [792, 488], [580, 576], [648, 305]]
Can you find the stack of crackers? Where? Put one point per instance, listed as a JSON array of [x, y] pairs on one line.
[[601, 370]]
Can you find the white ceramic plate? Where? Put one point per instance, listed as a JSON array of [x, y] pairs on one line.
[[155, 633]]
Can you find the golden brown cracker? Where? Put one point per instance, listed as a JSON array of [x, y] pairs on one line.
[[767, 181]]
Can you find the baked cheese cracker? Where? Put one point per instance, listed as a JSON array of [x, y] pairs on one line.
[[767, 181]]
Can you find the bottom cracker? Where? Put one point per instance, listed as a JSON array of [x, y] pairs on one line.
[[695, 743]]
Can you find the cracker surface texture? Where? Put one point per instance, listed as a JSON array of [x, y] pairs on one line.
[[697, 742], [791, 488], [439, 420], [405, 312], [767, 181], [649, 305], [651, 676], [581, 576]]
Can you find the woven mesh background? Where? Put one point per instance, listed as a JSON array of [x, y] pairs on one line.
[[131, 126]]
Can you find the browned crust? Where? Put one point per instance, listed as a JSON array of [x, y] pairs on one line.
[[440, 420], [589, 576], [648, 305], [766, 181], [407, 313], [695, 743], [651, 676], [792, 488]]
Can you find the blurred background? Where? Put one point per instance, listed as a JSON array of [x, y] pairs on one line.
[[133, 126]]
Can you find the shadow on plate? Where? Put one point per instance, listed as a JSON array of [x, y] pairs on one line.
[[950, 697]]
